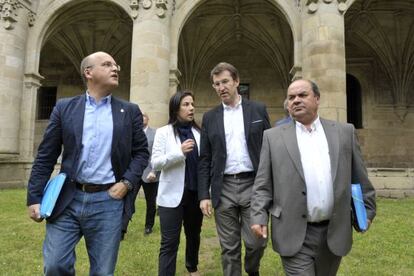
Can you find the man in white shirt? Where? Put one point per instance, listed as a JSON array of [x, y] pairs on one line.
[[231, 138], [304, 182]]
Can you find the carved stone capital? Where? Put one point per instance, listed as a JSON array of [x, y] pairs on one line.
[[9, 12], [146, 4], [31, 18], [162, 7], [32, 80], [10, 9], [342, 6], [313, 5], [175, 74], [134, 8]]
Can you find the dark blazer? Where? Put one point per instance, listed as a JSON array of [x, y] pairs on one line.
[[213, 152], [129, 149], [279, 191]]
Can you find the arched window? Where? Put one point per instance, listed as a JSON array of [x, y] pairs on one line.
[[353, 101]]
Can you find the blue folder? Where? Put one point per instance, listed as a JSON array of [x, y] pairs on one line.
[[359, 213], [51, 194]]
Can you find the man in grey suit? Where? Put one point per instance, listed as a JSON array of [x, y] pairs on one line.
[[231, 138], [304, 182], [149, 181]]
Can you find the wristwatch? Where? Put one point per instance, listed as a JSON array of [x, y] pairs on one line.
[[127, 184]]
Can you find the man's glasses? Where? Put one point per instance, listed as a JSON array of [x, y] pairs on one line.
[[109, 65], [218, 83]]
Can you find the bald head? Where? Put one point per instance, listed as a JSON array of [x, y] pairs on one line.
[[100, 74], [89, 61]]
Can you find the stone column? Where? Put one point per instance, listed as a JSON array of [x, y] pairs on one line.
[[28, 114], [16, 102], [323, 44], [150, 73], [13, 33]]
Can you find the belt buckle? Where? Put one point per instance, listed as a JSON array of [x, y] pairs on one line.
[[83, 188]]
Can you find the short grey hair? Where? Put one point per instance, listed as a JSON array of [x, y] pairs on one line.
[[84, 64], [315, 88]]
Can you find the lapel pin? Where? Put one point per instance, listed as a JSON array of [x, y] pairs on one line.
[[122, 110]]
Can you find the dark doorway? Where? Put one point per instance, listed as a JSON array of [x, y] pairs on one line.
[[353, 101]]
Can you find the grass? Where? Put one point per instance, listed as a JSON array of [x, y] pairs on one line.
[[387, 249]]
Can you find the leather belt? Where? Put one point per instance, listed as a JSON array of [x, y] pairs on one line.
[[241, 175], [319, 223], [93, 188]]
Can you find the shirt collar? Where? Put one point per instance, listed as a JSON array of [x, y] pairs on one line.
[[91, 100], [228, 107], [315, 126]]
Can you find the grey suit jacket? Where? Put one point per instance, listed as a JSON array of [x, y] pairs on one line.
[[150, 133], [280, 187]]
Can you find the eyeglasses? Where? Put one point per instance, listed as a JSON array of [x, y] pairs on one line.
[[109, 65], [223, 82]]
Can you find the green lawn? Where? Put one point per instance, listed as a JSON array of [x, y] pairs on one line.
[[387, 249]]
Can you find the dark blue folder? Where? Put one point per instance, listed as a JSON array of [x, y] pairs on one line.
[[359, 213], [51, 194]]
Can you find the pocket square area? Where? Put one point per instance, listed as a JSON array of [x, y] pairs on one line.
[[257, 121]]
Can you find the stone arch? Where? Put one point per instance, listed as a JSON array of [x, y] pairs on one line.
[[65, 35], [187, 8], [379, 37], [255, 37], [384, 32], [39, 32]]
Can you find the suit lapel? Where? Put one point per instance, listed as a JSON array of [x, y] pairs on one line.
[[247, 115], [220, 126], [332, 137], [291, 142], [118, 115], [77, 121]]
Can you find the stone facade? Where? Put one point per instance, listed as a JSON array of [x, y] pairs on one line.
[[360, 53]]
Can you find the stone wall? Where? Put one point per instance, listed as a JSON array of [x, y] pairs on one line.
[[393, 183]]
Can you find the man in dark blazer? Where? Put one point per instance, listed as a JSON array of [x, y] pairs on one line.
[[104, 155], [149, 182], [303, 186], [229, 156]]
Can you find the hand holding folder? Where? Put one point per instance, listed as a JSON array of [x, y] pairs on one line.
[[51, 194], [359, 213]]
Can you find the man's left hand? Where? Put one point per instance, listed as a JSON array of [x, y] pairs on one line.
[[118, 190]]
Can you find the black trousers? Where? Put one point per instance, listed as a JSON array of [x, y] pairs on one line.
[[150, 191], [187, 213]]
